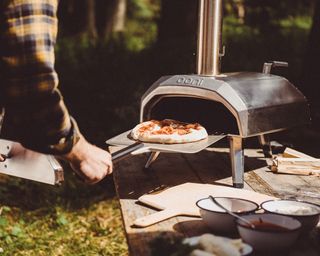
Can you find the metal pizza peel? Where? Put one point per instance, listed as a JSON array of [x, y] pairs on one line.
[[27, 164], [133, 147]]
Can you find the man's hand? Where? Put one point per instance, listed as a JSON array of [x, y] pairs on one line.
[[91, 163]]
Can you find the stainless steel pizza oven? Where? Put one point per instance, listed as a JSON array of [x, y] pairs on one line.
[[259, 103], [237, 105], [241, 104]]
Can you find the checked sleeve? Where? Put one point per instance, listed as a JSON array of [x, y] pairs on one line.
[[35, 114]]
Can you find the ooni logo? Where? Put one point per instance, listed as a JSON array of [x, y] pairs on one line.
[[190, 81]]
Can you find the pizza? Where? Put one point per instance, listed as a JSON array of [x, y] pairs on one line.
[[168, 131]]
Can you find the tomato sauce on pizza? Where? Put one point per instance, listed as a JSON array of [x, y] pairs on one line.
[[168, 131]]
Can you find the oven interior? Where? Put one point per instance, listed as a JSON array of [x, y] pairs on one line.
[[212, 115]]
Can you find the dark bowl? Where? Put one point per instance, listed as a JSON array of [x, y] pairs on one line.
[[276, 234]]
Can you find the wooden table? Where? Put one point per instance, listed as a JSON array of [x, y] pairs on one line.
[[210, 166]]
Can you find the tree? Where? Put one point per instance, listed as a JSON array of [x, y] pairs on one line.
[[115, 17], [90, 25], [310, 83], [93, 18], [237, 8]]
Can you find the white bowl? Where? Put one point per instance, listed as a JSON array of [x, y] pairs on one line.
[[307, 213], [272, 239], [218, 219]]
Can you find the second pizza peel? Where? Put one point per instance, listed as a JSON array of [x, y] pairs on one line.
[[181, 200]]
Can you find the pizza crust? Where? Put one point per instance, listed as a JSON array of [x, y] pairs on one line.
[[147, 132]]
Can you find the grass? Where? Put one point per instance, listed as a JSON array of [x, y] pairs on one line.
[[74, 219]]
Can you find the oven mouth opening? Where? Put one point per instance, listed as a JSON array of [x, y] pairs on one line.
[[212, 115]]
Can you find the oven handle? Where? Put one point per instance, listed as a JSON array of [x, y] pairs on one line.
[[267, 66]]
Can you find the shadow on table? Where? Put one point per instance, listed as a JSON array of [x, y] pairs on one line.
[[175, 169]]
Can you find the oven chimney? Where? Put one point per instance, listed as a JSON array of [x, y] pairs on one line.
[[209, 37]]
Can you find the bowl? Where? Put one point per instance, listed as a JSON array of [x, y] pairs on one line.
[[219, 220], [307, 213], [272, 232]]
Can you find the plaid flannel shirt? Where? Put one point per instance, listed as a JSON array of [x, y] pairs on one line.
[[35, 114]]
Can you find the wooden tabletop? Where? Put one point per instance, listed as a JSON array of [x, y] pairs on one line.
[[209, 166]]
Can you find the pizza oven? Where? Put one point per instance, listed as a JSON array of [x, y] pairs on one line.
[[239, 105], [234, 105]]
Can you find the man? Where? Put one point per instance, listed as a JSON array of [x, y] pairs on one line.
[[35, 114]]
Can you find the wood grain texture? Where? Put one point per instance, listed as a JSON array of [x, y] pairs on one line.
[[210, 166], [170, 202]]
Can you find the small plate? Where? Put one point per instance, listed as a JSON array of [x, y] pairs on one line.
[[193, 241]]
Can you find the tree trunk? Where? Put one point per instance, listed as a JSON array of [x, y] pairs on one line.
[[115, 17], [241, 10], [238, 8], [310, 84], [119, 16], [90, 28]]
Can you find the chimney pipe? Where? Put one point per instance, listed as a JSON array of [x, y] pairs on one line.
[[209, 37]]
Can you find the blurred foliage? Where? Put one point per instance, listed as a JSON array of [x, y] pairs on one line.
[[141, 25], [247, 48], [102, 82], [143, 9], [268, 13]]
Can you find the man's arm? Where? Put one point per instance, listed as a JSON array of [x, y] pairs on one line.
[[35, 112], [36, 115]]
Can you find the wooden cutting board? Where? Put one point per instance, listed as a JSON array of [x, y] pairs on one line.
[[181, 200]]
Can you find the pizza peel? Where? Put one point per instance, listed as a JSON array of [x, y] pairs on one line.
[[181, 200], [133, 147]]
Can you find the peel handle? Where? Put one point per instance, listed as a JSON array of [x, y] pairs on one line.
[[123, 153], [155, 217]]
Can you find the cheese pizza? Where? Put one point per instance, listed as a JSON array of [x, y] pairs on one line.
[[168, 131]]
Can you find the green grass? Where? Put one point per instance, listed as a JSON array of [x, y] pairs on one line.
[[74, 219]]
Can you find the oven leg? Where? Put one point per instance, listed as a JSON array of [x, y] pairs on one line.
[[237, 161], [264, 141], [152, 157]]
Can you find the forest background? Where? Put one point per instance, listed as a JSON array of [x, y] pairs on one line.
[[107, 54]]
